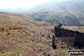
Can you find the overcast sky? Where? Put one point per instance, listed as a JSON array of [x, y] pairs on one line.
[[5, 4]]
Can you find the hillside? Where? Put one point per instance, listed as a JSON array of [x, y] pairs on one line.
[[25, 32], [18, 19], [20, 36], [66, 13]]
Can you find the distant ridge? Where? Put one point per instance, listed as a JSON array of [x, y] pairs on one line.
[[67, 13]]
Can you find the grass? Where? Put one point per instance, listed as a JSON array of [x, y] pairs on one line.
[[25, 43], [19, 46], [6, 54], [3, 32], [65, 48], [14, 31], [41, 45]]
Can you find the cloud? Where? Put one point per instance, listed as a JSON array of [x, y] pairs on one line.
[[18, 3], [22, 3]]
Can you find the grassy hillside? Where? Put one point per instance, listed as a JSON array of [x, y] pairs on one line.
[[18, 19], [32, 39]]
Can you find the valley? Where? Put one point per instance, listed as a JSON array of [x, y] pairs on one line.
[[31, 32]]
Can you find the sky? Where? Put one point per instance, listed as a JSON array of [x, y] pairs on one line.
[[14, 4]]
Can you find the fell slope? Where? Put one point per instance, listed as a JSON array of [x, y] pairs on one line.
[[29, 41], [66, 13], [18, 19]]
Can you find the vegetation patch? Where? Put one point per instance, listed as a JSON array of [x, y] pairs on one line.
[[14, 31]]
